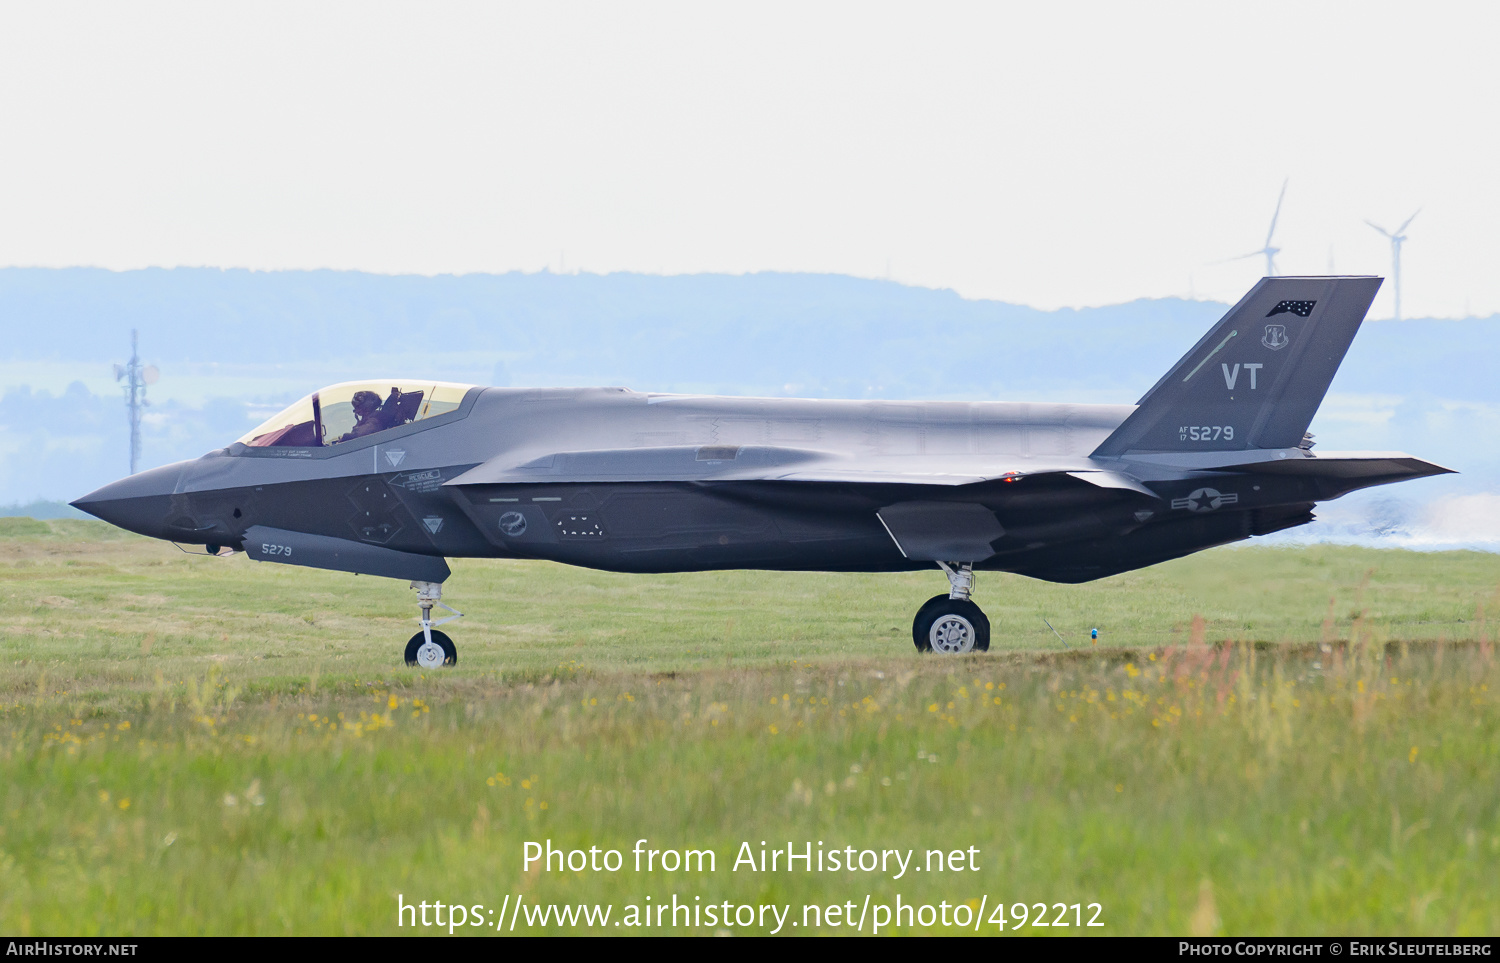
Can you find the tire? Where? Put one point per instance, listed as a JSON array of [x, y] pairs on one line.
[[950, 627], [428, 660]]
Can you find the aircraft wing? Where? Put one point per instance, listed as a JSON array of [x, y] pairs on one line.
[[770, 463]]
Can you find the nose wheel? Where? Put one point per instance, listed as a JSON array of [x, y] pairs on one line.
[[952, 624], [429, 648]]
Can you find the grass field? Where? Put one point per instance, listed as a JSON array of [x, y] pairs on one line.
[[1262, 741]]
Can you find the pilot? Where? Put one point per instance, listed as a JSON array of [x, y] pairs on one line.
[[366, 416]]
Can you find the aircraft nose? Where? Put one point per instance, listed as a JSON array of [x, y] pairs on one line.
[[139, 503]]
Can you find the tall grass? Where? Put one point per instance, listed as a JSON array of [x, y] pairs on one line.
[[1226, 788], [159, 773]]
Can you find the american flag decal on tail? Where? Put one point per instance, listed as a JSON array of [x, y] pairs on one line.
[[1300, 308]]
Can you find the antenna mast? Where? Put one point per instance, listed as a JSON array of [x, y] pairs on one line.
[[136, 376]]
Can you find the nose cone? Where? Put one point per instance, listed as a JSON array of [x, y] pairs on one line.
[[140, 503]]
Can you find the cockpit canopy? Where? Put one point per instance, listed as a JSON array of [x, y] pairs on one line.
[[355, 409]]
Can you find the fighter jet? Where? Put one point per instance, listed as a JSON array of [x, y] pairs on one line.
[[386, 478]]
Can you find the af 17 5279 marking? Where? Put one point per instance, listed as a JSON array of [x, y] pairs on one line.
[[1205, 433]]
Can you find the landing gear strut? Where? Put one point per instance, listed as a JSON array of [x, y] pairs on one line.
[[952, 624], [430, 649]]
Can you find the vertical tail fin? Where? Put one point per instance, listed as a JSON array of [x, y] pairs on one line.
[[1257, 378]]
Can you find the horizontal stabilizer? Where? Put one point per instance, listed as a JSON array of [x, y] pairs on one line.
[[341, 555], [1298, 461], [1349, 464]]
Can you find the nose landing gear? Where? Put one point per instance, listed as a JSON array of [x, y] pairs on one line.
[[429, 649], [952, 624]]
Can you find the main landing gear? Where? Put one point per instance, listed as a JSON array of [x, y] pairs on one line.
[[430, 649], [952, 624]]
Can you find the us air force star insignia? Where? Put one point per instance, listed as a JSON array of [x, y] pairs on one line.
[[1275, 337], [1205, 500]]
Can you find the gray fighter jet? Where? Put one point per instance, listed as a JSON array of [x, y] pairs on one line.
[[388, 477]]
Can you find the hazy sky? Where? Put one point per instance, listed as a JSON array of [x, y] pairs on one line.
[[1049, 154]]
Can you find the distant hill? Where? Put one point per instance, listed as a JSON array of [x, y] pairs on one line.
[[233, 343], [825, 334]]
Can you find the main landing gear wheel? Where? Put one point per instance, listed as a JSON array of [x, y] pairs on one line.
[[429, 648], [950, 626], [434, 654]]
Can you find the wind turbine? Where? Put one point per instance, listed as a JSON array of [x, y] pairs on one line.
[[1396, 240], [1269, 251]]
